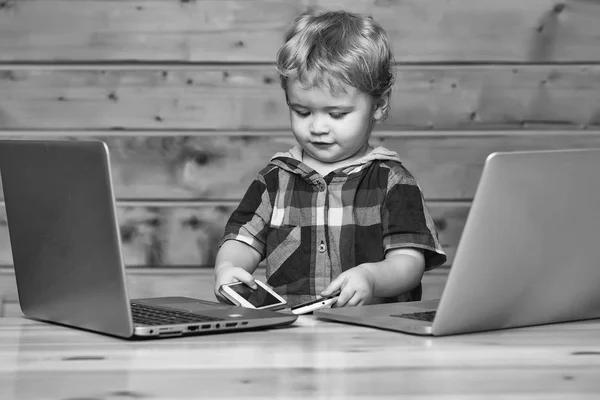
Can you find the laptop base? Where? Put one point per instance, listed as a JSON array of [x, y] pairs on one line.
[[382, 316]]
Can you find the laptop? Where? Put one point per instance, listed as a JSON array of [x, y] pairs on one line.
[[528, 254], [66, 249]]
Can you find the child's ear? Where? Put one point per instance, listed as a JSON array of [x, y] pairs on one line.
[[382, 106]]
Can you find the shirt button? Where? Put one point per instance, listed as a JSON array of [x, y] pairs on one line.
[[321, 186], [322, 247]]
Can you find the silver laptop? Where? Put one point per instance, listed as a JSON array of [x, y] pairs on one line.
[[67, 253], [528, 254]]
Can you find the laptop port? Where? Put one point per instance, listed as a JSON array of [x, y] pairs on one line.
[[230, 324], [206, 326], [169, 334], [193, 328], [245, 323]]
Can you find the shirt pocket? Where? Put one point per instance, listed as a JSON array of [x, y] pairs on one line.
[[282, 242]]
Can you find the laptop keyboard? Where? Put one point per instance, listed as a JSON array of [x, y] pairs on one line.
[[144, 314], [421, 316]]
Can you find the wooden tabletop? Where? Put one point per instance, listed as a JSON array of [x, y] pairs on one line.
[[310, 359]]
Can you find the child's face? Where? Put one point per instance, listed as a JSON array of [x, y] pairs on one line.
[[332, 128]]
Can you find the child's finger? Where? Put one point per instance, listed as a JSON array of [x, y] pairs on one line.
[[356, 300], [343, 299], [245, 277], [333, 286]]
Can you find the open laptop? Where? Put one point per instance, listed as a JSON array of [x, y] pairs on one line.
[[528, 254], [67, 252]]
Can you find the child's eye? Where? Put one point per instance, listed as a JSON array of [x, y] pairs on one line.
[[302, 114], [338, 115]]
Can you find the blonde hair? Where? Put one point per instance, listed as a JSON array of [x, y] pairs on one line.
[[336, 47]]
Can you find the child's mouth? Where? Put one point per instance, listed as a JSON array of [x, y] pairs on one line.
[[322, 145]]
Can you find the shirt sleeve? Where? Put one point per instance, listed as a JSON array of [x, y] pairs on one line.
[[406, 222], [250, 220]]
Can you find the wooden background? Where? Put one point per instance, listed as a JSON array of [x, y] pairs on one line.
[[185, 94]]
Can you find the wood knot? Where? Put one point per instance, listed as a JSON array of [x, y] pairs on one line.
[[440, 224], [128, 233], [193, 223], [222, 209], [84, 358], [558, 8], [201, 158], [128, 394], [7, 4], [586, 353]]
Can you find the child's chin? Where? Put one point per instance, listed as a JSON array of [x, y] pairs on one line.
[[327, 159]]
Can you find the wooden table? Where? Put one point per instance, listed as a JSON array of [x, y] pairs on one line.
[[311, 359]]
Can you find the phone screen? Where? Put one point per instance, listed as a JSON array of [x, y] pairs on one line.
[[257, 297]]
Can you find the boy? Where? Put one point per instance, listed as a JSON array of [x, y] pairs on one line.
[[333, 212]]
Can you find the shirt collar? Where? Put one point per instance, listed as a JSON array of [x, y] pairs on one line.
[[291, 161]]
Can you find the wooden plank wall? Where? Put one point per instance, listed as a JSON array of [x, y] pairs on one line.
[[185, 94]]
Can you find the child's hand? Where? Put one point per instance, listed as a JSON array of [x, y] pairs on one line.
[[357, 286], [231, 274]]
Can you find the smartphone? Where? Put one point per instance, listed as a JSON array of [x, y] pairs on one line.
[[313, 305], [262, 298]]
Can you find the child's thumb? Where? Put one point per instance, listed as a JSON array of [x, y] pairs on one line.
[[333, 287], [247, 278]]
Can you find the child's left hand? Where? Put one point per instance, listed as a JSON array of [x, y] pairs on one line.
[[357, 286]]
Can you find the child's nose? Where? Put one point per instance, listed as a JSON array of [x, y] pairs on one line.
[[318, 126]]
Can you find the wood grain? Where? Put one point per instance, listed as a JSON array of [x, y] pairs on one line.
[[220, 166], [161, 234], [249, 97], [252, 30], [154, 234], [310, 359]]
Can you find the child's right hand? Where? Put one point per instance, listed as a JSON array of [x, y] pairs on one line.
[[229, 274]]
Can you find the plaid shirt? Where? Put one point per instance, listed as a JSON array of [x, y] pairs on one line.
[[310, 228]]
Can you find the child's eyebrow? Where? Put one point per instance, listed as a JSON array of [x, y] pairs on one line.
[[328, 108], [340, 107]]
